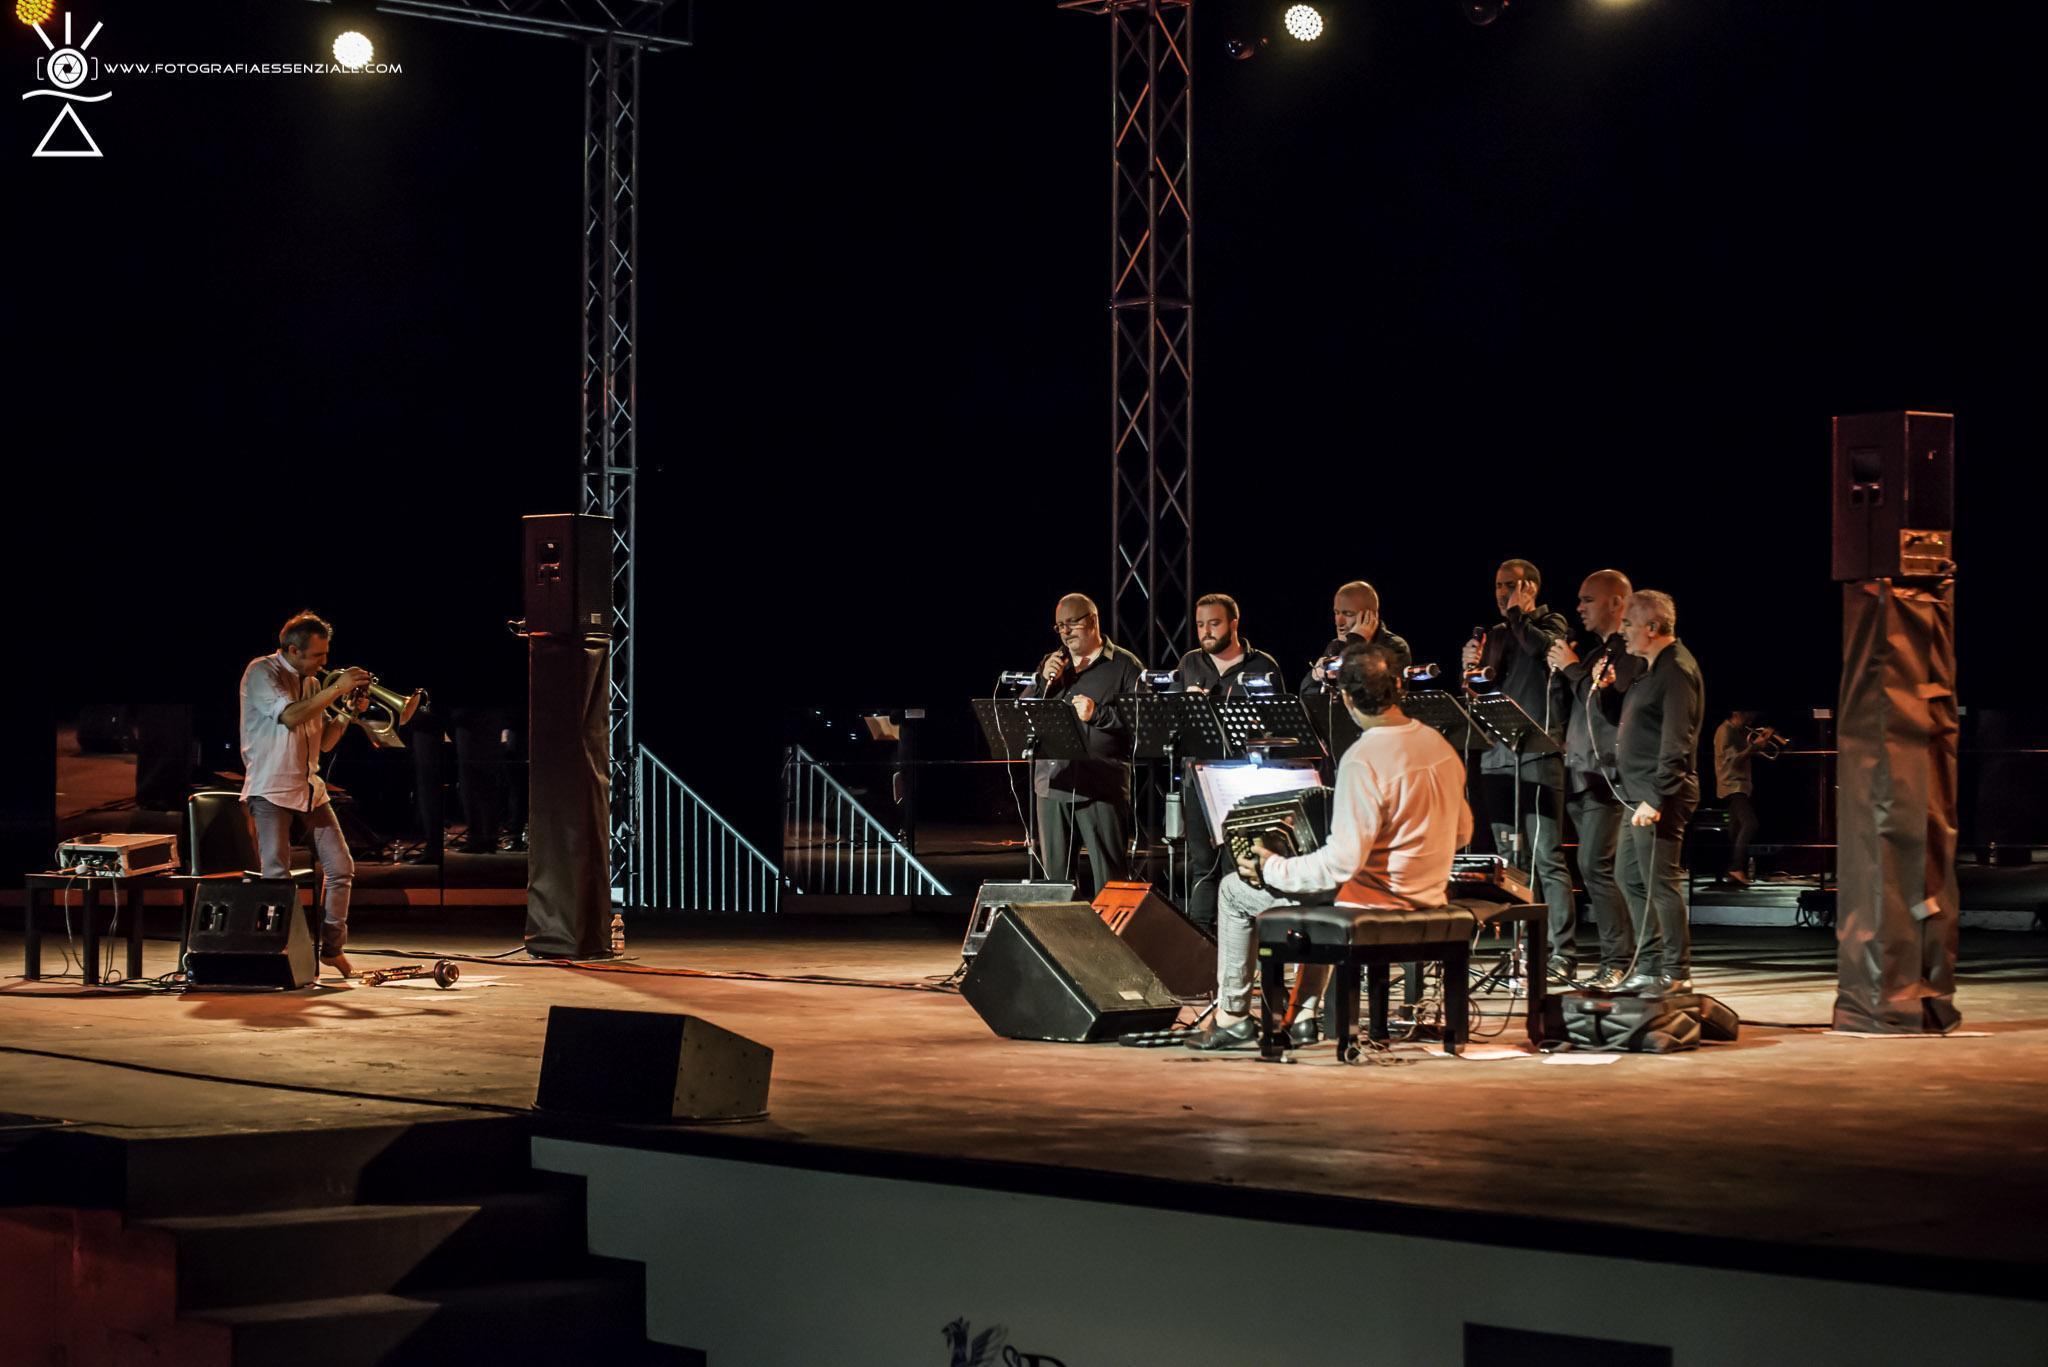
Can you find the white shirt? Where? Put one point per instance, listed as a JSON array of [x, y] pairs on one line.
[[1399, 817], [280, 764]]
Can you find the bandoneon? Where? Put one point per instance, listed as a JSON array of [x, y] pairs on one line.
[[1289, 824]]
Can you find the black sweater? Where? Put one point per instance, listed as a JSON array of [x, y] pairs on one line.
[[1659, 738], [1106, 773]]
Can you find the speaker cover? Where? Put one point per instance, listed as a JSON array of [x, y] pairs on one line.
[[649, 1066], [1056, 972], [568, 875], [249, 932], [1178, 950]]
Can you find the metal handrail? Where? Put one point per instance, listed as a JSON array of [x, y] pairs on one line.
[[691, 858], [833, 844]]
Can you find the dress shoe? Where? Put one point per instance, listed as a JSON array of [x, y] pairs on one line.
[[1673, 987], [1306, 1030], [1561, 971], [1238, 1035], [1607, 980], [340, 964], [1640, 985], [1736, 877]]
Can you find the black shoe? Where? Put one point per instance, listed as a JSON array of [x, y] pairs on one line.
[[1640, 985], [1561, 972], [1607, 980], [1305, 1031], [1243, 1035], [1674, 987]]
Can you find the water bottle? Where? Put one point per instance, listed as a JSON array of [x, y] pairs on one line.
[[618, 933]]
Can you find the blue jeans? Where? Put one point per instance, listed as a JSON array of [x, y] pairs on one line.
[[330, 851]]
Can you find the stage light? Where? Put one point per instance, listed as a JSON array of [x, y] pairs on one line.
[[353, 51], [33, 11], [1303, 22], [1241, 50]]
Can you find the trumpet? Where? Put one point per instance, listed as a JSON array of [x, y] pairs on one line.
[[1767, 744], [397, 709]]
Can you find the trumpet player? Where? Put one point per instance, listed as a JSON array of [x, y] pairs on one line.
[[1737, 741], [285, 727]]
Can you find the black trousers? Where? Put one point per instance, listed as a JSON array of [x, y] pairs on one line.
[[1652, 860], [1543, 846], [1742, 811], [1102, 825], [1600, 819]]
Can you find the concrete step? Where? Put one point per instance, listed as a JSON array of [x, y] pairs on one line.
[[590, 1319]]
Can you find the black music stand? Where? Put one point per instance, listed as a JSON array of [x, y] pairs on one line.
[[1332, 722], [1175, 727], [1245, 718], [1031, 729], [1446, 714], [1502, 718]]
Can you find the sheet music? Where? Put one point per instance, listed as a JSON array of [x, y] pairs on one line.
[[1226, 783]]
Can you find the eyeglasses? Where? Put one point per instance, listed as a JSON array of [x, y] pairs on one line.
[[1062, 628]]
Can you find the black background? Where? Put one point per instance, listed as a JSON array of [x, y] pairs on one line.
[[1582, 287]]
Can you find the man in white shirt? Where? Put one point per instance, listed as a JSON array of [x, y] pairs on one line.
[[285, 730], [1398, 818]]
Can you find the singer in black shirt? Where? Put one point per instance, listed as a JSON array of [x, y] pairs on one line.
[[1087, 799], [1219, 666], [1597, 814], [1355, 612], [1656, 776], [1517, 649]]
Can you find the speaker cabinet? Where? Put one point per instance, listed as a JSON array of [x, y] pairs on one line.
[[568, 574], [1056, 972], [993, 898], [1172, 946], [250, 932], [1894, 496], [649, 1066]]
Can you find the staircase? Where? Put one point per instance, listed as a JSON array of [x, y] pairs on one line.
[[435, 1243]]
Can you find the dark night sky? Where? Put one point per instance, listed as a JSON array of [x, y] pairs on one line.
[[1583, 287]]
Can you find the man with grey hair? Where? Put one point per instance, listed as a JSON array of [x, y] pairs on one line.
[[1087, 799], [286, 727], [1655, 774]]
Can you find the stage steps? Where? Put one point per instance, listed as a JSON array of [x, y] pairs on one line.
[[432, 1242]]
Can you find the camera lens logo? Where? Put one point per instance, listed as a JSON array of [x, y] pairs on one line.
[[67, 68]]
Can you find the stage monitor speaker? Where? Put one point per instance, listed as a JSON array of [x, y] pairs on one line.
[[1056, 972], [649, 1066], [249, 932], [993, 898], [568, 574], [1172, 946], [1894, 496]]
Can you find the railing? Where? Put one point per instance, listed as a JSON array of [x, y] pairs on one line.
[[832, 844], [690, 857]]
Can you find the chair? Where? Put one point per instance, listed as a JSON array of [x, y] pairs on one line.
[[1376, 938]]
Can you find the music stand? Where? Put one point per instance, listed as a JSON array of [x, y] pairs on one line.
[[1244, 718], [1501, 717], [1175, 727], [1444, 713], [1332, 723], [1031, 729]]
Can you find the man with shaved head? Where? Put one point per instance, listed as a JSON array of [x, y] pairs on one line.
[[1597, 814], [1355, 612], [1087, 799]]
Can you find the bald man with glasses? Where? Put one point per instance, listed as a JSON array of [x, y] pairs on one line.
[[1088, 800]]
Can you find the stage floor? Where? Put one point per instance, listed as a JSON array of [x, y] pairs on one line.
[[1916, 1160]]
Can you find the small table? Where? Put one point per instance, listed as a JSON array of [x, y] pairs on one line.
[[45, 887]]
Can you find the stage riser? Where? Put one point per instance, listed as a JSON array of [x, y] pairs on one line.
[[1095, 1281]]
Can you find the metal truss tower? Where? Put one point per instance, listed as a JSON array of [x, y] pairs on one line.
[[611, 462], [1152, 322], [614, 33]]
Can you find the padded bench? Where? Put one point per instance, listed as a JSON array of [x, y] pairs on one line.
[[1376, 938]]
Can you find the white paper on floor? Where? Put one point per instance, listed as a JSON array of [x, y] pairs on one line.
[[1582, 1060], [1865, 1034]]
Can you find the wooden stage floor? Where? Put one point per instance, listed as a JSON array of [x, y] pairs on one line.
[[1910, 1160]]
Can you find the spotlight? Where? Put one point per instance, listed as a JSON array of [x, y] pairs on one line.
[[1240, 50], [353, 51], [33, 11], [1480, 13], [1303, 22]]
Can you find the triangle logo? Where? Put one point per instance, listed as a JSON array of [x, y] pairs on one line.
[[43, 148]]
